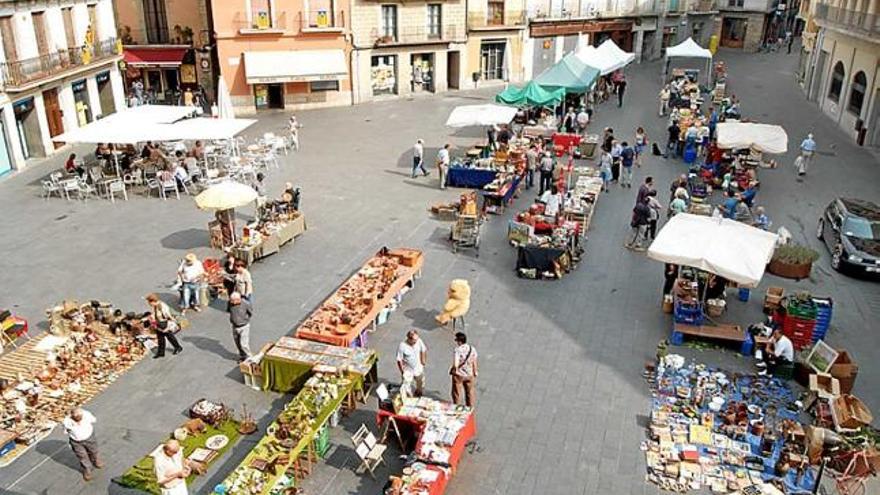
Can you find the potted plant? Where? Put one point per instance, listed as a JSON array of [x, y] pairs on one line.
[[793, 261]]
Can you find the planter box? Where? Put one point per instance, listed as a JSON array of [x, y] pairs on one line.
[[789, 270]]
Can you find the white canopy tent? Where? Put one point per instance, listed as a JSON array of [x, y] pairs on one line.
[[607, 57], [126, 126], [480, 115], [766, 138], [731, 249], [688, 49]]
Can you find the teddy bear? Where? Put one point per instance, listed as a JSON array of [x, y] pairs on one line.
[[458, 301]]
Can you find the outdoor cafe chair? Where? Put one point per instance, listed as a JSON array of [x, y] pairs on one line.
[[56, 177], [168, 186], [116, 186], [70, 186], [49, 188], [85, 190], [153, 185]]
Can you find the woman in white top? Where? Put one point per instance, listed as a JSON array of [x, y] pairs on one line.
[[171, 469]]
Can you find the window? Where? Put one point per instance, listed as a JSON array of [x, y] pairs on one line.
[[317, 86], [155, 21], [389, 21], [321, 14], [261, 14], [495, 16], [857, 93], [8, 34], [434, 20], [492, 60], [735, 3], [836, 83]]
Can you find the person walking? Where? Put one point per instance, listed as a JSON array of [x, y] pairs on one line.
[[673, 132], [621, 89], [531, 165], [605, 169], [664, 100], [569, 121], [654, 216], [191, 273], [171, 469], [165, 325], [464, 371], [808, 149], [641, 143], [244, 283], [616, 151], [547, 166], [419, 158], [240, 313], [627, 158], [412, 356], [443, 164], [79, 425], [639, 223]]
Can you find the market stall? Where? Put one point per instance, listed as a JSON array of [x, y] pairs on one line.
[[441, 431], [532, 94], [43, 379], [295, 440], [288, 362], [480, 115], [569, 74], [688, 49], [606, 58], [364, 300]]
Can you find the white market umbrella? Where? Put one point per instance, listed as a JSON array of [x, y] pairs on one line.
[[480, 115], [224, 101], [731, 249], [766, 138], [226, 196]]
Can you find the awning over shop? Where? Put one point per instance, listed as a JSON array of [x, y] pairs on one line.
[[266, 67], [153, 57]]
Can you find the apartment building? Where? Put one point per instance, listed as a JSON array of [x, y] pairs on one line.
[[644, 27], [496, 39], [747, 24], [167, 46], [845, 75], [407, 47], [283, 54], [59, 70]]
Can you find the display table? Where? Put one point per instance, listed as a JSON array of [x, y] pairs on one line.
[[289, 443], [289, 362], [364, 297], [430, 420], [142, 477], [542, 131], [470, 177], [495, 201], [270, 244], [564, 142], [733, 333]]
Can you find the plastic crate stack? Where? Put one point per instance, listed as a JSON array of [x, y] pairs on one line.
[[800, 322], [688, 313], [824, 305]]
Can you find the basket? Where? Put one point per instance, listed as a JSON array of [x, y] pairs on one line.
[[715, 307]]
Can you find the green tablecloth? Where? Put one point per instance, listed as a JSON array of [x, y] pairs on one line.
[[282, 375]]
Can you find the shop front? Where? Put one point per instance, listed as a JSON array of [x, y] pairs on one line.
[[422, 72], [27, 124], [81, 102], [105, 93], [282, 78], [160, 70], [733, 32], [383, 74], [5, 159]]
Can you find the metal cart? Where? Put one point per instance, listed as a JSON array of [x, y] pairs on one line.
[[466, 233]]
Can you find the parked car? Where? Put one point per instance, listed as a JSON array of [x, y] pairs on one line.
[[850, 229]]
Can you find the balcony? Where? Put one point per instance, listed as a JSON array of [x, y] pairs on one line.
[[258, 23], [417, 36], [321, 21], [854, 22], [590, 12], [510, 20], [702, 6], [17, 74]]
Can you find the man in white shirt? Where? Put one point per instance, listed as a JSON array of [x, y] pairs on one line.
[[191, 273], [552, 201], [171, 469], [443, 164], [412, 354], [583, 118], [780, 352], [419, 158], [80, 428]]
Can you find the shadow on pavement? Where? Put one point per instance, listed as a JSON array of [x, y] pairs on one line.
[[186, 239], [213, 346], [59, 452]]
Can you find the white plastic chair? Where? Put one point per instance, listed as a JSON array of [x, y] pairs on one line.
[[70, 186], [86, 190], [170, 185], [50, 188], [153, 185], [116, 186]]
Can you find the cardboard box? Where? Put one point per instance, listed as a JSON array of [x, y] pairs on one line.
[[845, 370], [825, 385], [850, 412]]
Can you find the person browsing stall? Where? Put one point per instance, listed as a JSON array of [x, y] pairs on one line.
[[547, 166], [780, 352], [443, 160], [171, 469], [552, 200], [464, 371], [240, 313], [531, 165], [80, 428], [191, 273], [412, 355], [244, 283]]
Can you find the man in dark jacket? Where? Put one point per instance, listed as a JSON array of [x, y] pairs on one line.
[[240, 313], [640, 218]]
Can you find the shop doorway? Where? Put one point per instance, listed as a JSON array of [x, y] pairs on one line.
[[27, 125], [81, 103], [105, 94], [53, 114], [492, 60], [268, 96], [733, 32], [422, 72], [383, 74], [453, 66], [5, 161]]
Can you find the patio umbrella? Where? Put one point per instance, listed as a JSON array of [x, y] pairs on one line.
[[224, 101], [225, 196]]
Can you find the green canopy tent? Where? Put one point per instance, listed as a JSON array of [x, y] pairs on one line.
[[570, 74], [531, 94]]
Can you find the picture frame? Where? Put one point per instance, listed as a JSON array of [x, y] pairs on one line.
[[821, 357]]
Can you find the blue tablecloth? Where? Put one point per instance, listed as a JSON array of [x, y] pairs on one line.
[[469, 177]]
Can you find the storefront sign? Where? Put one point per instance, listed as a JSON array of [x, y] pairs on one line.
[[286, 79], [188, 74], [562, 28]]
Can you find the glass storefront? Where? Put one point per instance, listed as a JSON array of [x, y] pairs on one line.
[[383, 74]]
